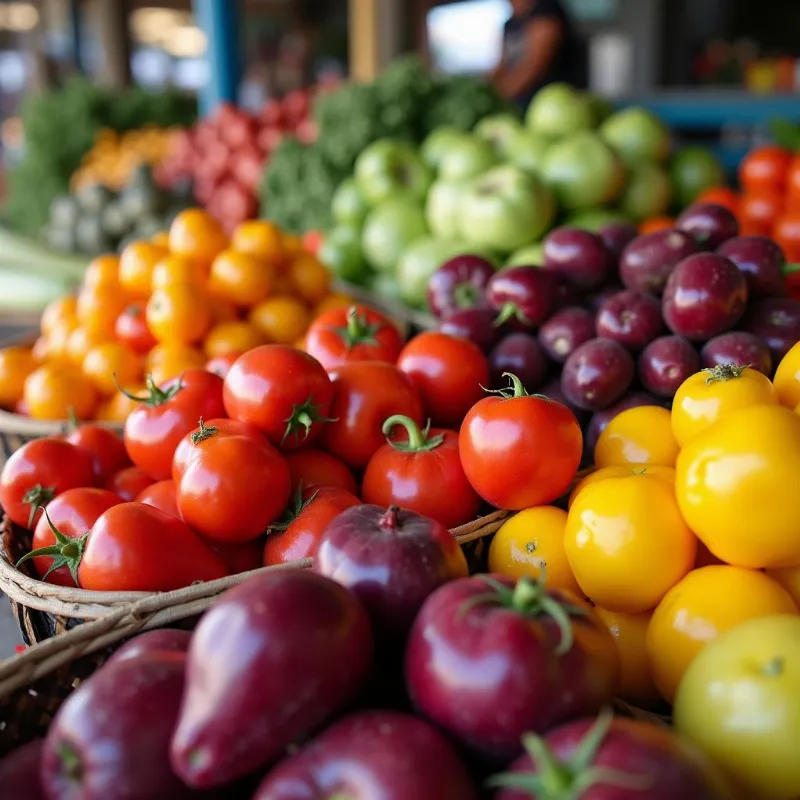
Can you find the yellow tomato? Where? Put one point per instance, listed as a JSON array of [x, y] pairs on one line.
[[53, 389], [176, 353], [58, 340], [309, 278], [41, 349], [195, 233], [178, 314], [737, 488], [626, 542], [620, 471], [160, 239], [629, 632], [176, 270], [103, 271], [710, 395], [696, 610], [241, 278], [16, 363], [292, 245], [232, 337], [789, 578], [136, 267], [80, 342], [280, 319], [111, 364], [98, 310], [174, 362], [335, 300], [260, 238], [62, 309], [117, 407], [222, 310], [787, 378], [640, 435], [530, 541]]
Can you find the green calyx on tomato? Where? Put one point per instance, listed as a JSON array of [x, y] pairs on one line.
[[296, 506], [66, 552], [724, 372], [419, 439], [303, 416], [36, 497], [358, 330], [515, 389], [203, 432], [156, 396], [570, 779]]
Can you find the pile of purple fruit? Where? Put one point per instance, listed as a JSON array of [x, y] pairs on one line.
[[614, 320]]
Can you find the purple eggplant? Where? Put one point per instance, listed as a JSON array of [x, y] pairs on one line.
[[458, 284]]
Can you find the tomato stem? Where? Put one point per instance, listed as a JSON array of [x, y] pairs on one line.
[[724, 372], [418, 440], [37, 497], [66, 552], [389, 520], [303, 416], [358, 329], [156, 396], [515, 389], [293, 510], [203, 432]]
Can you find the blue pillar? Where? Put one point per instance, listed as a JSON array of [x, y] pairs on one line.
[[75, 33], [219, 20]]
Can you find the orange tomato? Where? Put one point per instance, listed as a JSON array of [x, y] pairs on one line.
[[62, 309], [197, 234], [174, 360], [178, 314], [641, 435], [16, 363], [309, 278], [786, 233], [696, 610], [758, 212], [117, 407], [230, 337], [58, 340], [80, 342], [111, 364], [103, 271], [765, 168], [53, 389], [335, 300], [654, 224], [98, 310], [136, 267], [242, 279], [175, 270], [160, 239], [292, 245], [721, 196], [260, 238], [41, 349], [281, 320], [222, 310]]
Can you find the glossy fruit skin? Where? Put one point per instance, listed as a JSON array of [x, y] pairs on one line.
[[302, 533], [160, 640], [666, 363], [392, 560], [475, 324], [55, 387], [737, 347], [619, 471], [19, 771], [273, 384], [153, 430], [365, 394], [138, 548], [372, 337], [761, 261], [700, 402], [16, 363], [221, 365], [215, 501], [530, 293], [51, 463], [744, 465], [324, 653], [396, 755], [565, 331], [521, 354], [647, 262], [117, 725], [776, 320], [128, 483], [577, 256], [160, 495], [448, 372], [787, 378], [530, 540], [627, 543], [521, 451], [668, 766], [598, 421], [597, 374], [765, 167], [459, 283], [131, 328], [641, 435], [536, 687], [104, 446], [708, 224], [631, 318], [707, 602], [315, 468], [740, 702]]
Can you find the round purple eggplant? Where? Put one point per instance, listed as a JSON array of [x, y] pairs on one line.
[[520, 354], [459, 283], [776, 321], [631, 318], [616, 237], [761, 260], [476, 324], [600, 419], [566, 330], [577, 256], [597, 374], [708, 224], [647, 262], [523, 295], [19, 772], [737, 347], [666, 363], [163, 640]]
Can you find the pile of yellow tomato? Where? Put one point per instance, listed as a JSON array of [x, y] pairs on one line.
[[686, 537], [190, 299]]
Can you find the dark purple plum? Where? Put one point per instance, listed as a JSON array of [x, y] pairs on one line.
[[520, 354], [597, 374], [594, 301], [737, 347], [631, 318], [708, 224], [475, 324], [647, 262], [666, 363], [705, 296], [565, 330], [524, 295], [775, 320], [554, 391], [577, 256], [459, 283], [616, 237], [761, 260], [601, 418]]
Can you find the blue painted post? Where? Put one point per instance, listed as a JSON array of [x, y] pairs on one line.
[[75, 33], [219, 20]]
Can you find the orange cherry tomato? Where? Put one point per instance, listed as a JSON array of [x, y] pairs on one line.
[[240, 278], [335, 300], [160, 239], [721, 196], [221, 310], [117, 407], [178, 314], [259, 238], [58, 341], [221, 364], [787, 234], [316, 468], [654, 224], [112, 364], [80, 342], [131, 329], [195, 233], [793, 180], [765, 168], [55, 389], [98, 309], [103, 272], [176, 270], [758, 212], [280, 319], [174, 361], [62, 309], [229, 337], [309, 278], [136, 265], [16, 363]]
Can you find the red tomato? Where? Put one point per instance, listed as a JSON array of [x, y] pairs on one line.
[[297, 534], [720, 196], [449, 373], [106, 449], [283, 391], [135, 547], [520, 450], [239, 556], [758, 211], [166, 415], [316, 468], [765, 168], [72, 514], [187, 446], [421, 470], [233, 487], [160, 495], [129, 483], [787, 234], [357, 333], [131, 328], [37, 472], [365, 393], [221, 365]]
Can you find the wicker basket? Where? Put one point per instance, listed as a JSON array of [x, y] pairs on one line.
[[44, 610]]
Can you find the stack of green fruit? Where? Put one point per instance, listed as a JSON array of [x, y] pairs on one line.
[[498, 189]]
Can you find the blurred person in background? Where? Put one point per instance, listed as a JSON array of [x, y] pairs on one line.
[[540, 46]]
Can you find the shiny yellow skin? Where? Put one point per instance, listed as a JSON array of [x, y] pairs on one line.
[[641, 435], [620, 471], [737, 487], [627, 543], [787, 378], [529, 540], [739, 702], [701, 401], [696, 610], [789, 578]]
